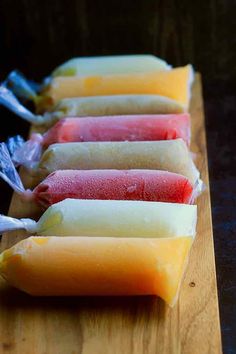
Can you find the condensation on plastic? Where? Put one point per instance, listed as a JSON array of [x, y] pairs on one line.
[[29, 153], [8, 223]]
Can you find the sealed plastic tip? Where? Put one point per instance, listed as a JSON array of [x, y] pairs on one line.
[[13, 143], [198, 188], [10, 175], [7, 170], [8, 223], [29, 153], [9, 100], [22, 87]]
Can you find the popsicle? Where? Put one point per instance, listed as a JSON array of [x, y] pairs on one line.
[[116, 105], [113, 128], [147, 185], [120, 128], [175, 84], [167, 155], [109, 218], [54, 266], [92, 106], [114, 64]]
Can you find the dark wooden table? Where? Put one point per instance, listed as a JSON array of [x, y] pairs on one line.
[[35, 36]]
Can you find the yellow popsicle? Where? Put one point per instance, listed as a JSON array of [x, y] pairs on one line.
[[174, 84]]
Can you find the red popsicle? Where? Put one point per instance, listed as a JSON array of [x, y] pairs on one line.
[[147, 185], [120, 128]]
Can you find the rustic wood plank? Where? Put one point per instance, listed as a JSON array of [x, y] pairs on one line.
[[135, 325]]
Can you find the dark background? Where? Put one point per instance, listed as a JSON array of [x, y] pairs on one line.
[[35, 36]]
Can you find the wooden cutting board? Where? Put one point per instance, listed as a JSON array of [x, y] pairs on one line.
[[135, 325]]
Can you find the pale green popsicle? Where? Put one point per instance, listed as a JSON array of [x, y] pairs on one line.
[[118, 218], [116, 64]]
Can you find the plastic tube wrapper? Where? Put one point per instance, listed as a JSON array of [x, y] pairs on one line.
[[174, 84], [114, 128], [55, 266], [118, 218]]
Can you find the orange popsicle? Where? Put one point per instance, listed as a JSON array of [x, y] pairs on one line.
[[174, 84], [97, 266]]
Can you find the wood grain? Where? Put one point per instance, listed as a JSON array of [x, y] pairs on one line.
[[135, 325]]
